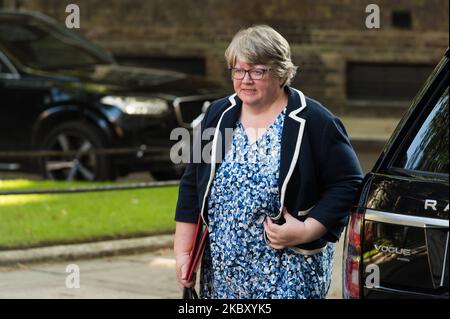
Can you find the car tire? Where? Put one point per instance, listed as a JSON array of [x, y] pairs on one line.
[[75, 136]]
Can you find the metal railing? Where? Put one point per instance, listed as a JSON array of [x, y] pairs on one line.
[[139, 151]]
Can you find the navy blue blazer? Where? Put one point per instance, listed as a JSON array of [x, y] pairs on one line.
[[319, 171]]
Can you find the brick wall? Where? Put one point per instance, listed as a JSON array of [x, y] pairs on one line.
[[324, 35]]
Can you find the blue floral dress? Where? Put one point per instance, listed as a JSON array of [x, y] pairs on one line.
[[237, 262]]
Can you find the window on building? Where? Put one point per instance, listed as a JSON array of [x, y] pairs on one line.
[[386, 84], [401, 19]]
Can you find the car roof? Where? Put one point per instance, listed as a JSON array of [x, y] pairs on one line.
[[23, 15]]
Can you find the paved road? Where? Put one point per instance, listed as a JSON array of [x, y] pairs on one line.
[[149, 275], [142, 276]]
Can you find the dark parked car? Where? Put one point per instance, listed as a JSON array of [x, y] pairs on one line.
[[397, 238], [59, 92]]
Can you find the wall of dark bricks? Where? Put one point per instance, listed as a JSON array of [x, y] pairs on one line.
[[324, 35]]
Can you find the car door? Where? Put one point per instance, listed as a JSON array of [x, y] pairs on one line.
[[9, 96], [405, 232], [21, 101], [23, 98]]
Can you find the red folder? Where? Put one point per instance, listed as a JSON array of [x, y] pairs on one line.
[[198, 246]]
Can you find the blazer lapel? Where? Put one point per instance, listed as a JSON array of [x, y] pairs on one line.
[[228, 119], [291, 139], [227, 126], [291, 136]]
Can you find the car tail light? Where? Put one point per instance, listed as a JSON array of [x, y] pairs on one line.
[[352, 258]]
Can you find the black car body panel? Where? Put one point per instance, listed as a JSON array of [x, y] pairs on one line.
[[398, 235], [39, 94], [406, 234]]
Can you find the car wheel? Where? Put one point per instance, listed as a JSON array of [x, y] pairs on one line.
[[75, 137]]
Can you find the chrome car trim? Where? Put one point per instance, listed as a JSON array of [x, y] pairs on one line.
[[405, 220], [383, 289], [445, 260], [13, 73], [9, 166], [177, 106]]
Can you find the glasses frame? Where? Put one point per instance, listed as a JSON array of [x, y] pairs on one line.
[[265, 70]]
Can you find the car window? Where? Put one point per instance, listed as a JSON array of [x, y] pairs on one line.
[[43, 46], [428, 149]]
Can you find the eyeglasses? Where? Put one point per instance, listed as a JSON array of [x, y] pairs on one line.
[[254, 74]]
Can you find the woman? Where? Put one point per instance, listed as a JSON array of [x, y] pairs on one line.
[[277, 196]]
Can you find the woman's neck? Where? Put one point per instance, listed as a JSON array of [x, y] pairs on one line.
[[261, 115]]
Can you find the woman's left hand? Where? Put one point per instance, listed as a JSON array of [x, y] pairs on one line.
[[293, 231], [288, 234]]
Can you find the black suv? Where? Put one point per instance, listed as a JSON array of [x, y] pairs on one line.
[[396, 244], [61, 93]]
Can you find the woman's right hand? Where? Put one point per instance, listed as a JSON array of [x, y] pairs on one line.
[[182, 246], [182, 262]]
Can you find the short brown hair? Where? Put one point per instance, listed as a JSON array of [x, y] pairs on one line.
[[261, 44]]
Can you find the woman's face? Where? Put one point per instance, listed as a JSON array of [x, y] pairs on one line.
[[256, 93]]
